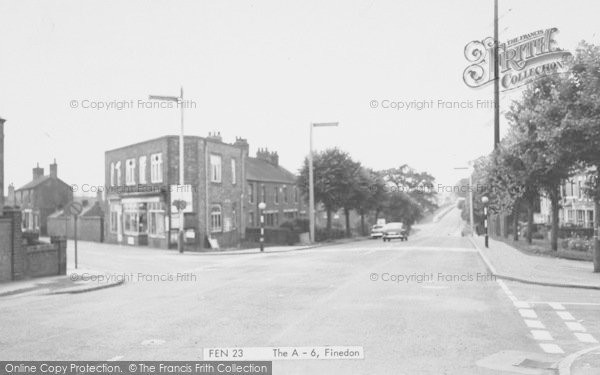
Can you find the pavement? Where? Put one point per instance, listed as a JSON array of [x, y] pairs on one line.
[[508, 263], [425, 306]]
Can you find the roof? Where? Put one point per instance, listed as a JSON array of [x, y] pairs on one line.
[[262, 170], [35, 183]]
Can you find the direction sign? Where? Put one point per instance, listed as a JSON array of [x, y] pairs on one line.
[[75, 208]]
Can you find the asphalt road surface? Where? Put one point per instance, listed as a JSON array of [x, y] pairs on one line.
[[425, 306]]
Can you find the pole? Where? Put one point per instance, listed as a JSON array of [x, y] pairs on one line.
[[262, 230], [485, 223], [181, 176], [496, 80], [311, 188], [75, 238], [471, 203]]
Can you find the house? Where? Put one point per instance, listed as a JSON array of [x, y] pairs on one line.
[[142, 182], [576, 209], [41, 197], [272, 184]]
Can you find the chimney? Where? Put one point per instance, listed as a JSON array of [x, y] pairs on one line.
[[38, 172], [11, 196], [54, 169], [215, 136], [241, 143], [266, 155]]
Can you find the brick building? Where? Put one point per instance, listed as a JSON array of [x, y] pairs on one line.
[[41, 197], [141, 182], [270, 183]]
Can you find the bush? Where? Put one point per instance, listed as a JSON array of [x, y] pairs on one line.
[[297, 225], [580, 244], [333, 234]]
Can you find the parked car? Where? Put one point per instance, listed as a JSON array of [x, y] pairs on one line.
[[377, 231], [394, 230]]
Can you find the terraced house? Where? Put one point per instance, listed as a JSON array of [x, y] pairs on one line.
[[272, 184], [142, 183]]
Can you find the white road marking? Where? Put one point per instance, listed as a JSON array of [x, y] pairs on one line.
[[564, 303], [534, 324], [551, 348], [565, 315], [556, 305], [574, 326], [528, 313], [585, 337], [522, 305], [541, 335]]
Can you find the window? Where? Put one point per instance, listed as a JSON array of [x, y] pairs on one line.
[[118, 168], [272, 219], [134, 218], [295, 195], [250, 219], [233, 218], [276, 192], [233, 174], [156, 219], [112, 174], [156, 172], [579, 190], [142, 169], [114, 222], [130, 172], [264, 194], [215, 219], [251, 193], [215, 168], [285, 194]]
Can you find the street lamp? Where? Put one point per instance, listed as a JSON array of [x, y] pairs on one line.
[[311, 187], [485, 201], [179, 101], [261, 207]]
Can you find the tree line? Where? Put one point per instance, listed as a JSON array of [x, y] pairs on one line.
[[554, 133], [341, 183]]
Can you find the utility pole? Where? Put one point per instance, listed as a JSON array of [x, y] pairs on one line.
[[496, 80]]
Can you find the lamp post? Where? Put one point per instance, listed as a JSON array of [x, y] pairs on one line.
[[311, 187], [485, 201], [179, 101], [261, 207]]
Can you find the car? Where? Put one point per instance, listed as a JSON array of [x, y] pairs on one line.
[[376, 231], [394, 230]]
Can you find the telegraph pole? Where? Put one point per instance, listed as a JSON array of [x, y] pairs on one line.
[[496, 80]]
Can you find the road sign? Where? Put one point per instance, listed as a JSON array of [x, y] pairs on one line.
[[75, 208]]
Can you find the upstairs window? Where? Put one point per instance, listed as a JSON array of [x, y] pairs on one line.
[[142, 169], [215, 168], [130, 172], [233, 172], [156, 170], [112, 174]]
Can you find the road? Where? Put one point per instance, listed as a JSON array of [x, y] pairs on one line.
[[425, 306]]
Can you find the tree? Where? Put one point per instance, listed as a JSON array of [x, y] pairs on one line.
[[334, 180], [581, 128]]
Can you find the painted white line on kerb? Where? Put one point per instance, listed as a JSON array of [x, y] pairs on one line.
[[534, 324], [565, 315], [541, 335], [556, 306], [528, 313], [551, 348], [585, 337]]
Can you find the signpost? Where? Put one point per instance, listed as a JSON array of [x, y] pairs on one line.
[[74, 208]]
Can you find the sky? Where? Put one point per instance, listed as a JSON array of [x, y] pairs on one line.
[[262, 70]]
